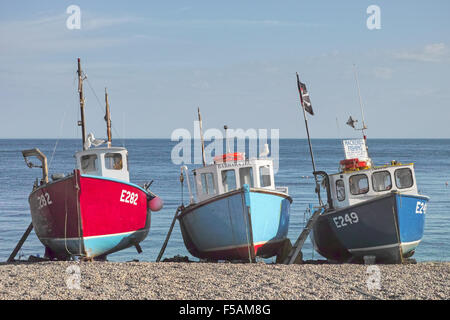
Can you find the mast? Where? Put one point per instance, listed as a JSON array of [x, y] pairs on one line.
[[225, 128], [108, 120], [80, 91], [309, 140], [360, 102], [201, 137], [364, 127]]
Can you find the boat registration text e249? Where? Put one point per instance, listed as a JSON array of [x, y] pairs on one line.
[[346, 219]]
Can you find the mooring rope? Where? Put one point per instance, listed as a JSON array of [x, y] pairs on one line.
[[65, 221]]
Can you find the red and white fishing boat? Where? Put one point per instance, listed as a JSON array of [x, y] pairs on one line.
[[95, 210]]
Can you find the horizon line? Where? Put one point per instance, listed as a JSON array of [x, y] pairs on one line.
[[289, 138]]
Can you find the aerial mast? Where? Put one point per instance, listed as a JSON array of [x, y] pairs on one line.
[[108, 120], [201, 137], [80, 91], [302, 103], [364, 127]]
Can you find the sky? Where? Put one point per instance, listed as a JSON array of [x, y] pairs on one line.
[[236, 60]]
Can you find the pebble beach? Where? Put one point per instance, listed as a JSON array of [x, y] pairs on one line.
[[200, 281]]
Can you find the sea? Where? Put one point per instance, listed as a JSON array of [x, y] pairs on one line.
[[151, 159]]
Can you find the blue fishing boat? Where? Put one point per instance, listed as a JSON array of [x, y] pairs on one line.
[[239, 213], [236, 212], [371, 211]]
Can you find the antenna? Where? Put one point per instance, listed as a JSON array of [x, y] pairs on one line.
[[360, 100], [364, 127], [201, 137], [225, 127], [108, 120], [80, 91]]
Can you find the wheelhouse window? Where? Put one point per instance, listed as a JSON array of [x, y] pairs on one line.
[[246, 176], [403, 178], [228, 180], [381, 181], [340, 190], [113, 161], [89, 163], [264, 176], [208, 183], [359, 184]]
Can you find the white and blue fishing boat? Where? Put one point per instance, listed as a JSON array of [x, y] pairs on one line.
[[373, 211], [238, 212]]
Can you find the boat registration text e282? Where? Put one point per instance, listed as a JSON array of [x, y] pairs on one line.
[[129, 197]]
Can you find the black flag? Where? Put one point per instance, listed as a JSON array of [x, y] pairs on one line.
[[351, 122], [304, 96]]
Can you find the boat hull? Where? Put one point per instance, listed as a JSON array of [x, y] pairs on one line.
[[88, 216], [217, 228], [388, 228]]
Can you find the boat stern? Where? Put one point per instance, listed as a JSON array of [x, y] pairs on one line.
[[411, 211]]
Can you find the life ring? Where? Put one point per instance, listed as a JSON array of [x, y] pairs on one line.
[[236, 156], [352, 164]]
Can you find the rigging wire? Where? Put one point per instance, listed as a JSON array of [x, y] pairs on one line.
[[61, 127], [59, 136], [101, 108]]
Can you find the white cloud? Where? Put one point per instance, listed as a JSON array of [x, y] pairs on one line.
[[383, 72], [102, 22], [230, 23], [49, 34], [435, 52]]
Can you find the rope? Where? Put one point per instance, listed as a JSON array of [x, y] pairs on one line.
[[59, 137], [60, 128], [181, 185], [65, 221], [245, 214], [77, 187]]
